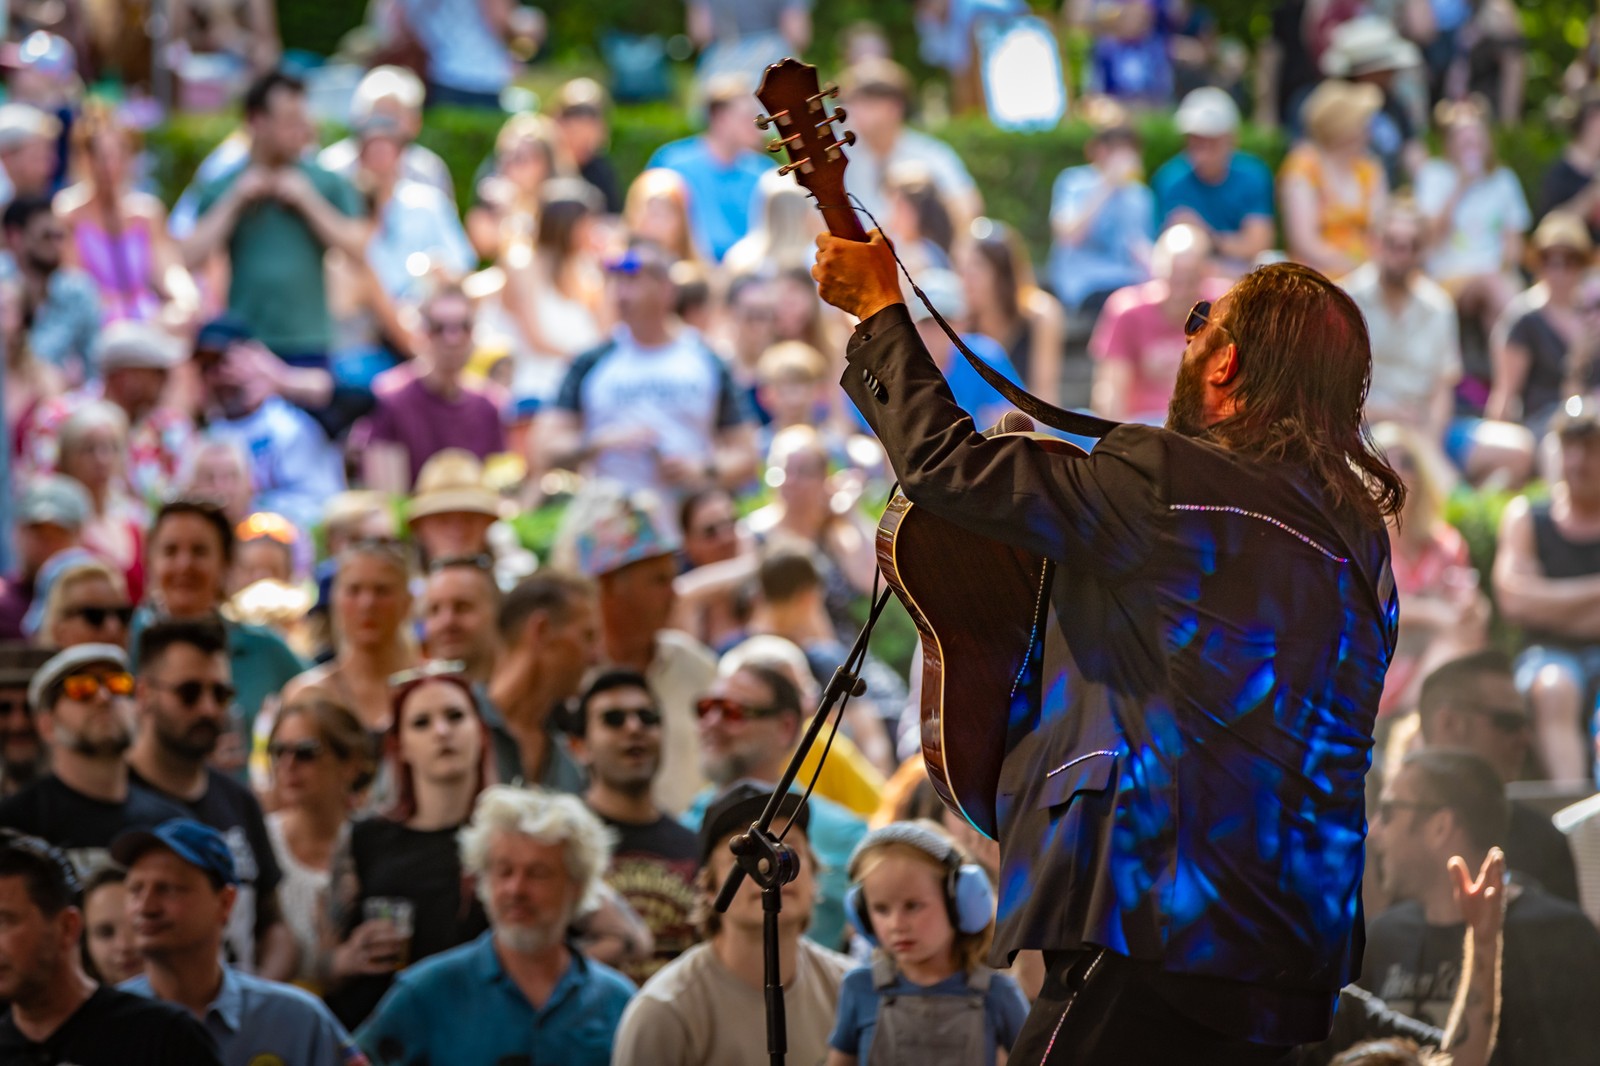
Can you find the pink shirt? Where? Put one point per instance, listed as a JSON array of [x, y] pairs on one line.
[[1132, 329]]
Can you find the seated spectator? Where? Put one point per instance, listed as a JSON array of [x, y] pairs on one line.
[[436, 408], [1445, 803], [1331, 184], [219, 471], [656, 209], [119, 234], [451, 510], [918, 220], [705, 1007], [87, 604], [1486, 56], [521, 988], [184, 695], [509, 186], [975, 395], [110, 952], [93, 451], [928, 912], [617, 739], [396, 93], [1416, 356], [1212, 185], [276, 218], [460, 602], [55, 1011], [721, 166], [1140, 335], [191, 548], [294, 467], [83, 710], [1542, 355], [1368, 49], [794, 388], [1472, 704], [404, 864], [1570, 184], [1443, 610], [1546, 566], [742, 39], [1130, 58], [183, 887], [269, 548], [653, 407], [22, 752], [467, 47], [1476, 217], [28, 152], [50, 518], [244, 35], [33, 386], [1005, 304], [60, 303], [750, 722], [579, 110], [783, 230], [416, 233], [877, 94], [1102, 216], [716, 564]]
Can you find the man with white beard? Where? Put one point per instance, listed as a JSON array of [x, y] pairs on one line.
[[520, 992]]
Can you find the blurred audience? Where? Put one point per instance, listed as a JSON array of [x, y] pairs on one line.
[[1331, 184], [1213, 186], [1102, 216]]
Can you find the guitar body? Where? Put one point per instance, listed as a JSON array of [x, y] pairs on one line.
[[979, 607]]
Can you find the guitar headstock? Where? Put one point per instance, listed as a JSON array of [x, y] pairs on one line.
[[796, 106]]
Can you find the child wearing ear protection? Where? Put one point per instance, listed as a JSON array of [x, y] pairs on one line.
[[926, 999]]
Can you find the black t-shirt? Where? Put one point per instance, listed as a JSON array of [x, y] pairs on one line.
[[423, 866], [114, 1028], [81, 826], [232, 810], [1537, 849], [653, 868], [1549, 972], [1361, 1016]]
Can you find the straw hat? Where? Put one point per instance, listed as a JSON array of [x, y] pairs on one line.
[[1564, 230], [451, 482], [1338, 111], [1368, 44]]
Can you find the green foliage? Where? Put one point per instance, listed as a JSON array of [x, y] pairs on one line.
[[317, 25]]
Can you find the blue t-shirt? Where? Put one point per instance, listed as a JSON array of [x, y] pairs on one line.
[[1004, 1009], [1246, 192], [721, 195], [973, 394]]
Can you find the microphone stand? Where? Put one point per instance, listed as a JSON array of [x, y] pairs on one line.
[[771, 863]]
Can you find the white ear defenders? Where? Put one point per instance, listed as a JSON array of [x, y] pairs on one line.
[[967, 895]]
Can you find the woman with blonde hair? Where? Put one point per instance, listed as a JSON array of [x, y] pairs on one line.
[[784, 236], [1331, 184], [93, 443], [87, 603], [657, 209], [527, 153]]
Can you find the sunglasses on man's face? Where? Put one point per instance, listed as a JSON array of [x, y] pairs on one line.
[[453, 326], [84, 686], [730, 710], [97, 616], [617, 717], [191, 692], [1199, 315], [303, 752]]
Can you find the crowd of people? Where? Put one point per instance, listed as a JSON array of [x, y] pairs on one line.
[[309, 750]]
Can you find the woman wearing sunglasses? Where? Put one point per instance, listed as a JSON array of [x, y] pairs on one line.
[[87, 604], [321, 760], [441, 759]]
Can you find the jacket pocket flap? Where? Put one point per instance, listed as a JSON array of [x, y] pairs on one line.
[[1088, 772]]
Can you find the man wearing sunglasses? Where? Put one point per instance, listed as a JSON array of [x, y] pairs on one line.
[[1472, 704], [83, 707], [436, 409], [185, 698], [617, 739], [1180, 803]]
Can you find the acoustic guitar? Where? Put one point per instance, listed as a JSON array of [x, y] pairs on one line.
[[979, 606]]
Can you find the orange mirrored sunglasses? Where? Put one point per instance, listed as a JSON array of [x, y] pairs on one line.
[[84, 686]]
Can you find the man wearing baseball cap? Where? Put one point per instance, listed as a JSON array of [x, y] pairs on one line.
[[49, 518], [83, 707], [181, 887], [57, 1013], [1212, 184], [705, 1007]]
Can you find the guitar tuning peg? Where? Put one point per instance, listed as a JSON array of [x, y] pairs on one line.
[[828, 91], [764, 121], [849, 137], [798, 164], [837, 116]]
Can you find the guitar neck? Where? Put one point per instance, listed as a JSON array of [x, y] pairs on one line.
[[842, 221]]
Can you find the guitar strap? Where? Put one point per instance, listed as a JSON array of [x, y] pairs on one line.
[[1024, 401]]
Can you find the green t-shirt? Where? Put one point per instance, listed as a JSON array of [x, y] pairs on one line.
[[276, 263]]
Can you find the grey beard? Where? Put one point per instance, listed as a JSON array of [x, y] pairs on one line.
[[114, 747], [527, 939], [724, 770]]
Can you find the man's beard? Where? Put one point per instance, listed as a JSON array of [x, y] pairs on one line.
[[194, 744], [107, 747], [723, 770], [1186, 409], [528, 939]]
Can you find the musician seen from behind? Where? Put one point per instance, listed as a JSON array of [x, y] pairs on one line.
[[1180, 809]]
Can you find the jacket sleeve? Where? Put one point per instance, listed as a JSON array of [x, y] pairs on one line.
[[1009, 489]]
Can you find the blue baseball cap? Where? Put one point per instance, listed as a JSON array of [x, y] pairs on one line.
[[221, 332], [198, 845]]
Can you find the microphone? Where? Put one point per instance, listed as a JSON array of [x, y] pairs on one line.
[[1010, 422]]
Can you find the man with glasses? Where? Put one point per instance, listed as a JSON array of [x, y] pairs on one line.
[[750, 722], [616, 737], [1472, 704], [82, 704], [56, 1012], [436, 408], [1449, 803], [60, 303], [185, 698]]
